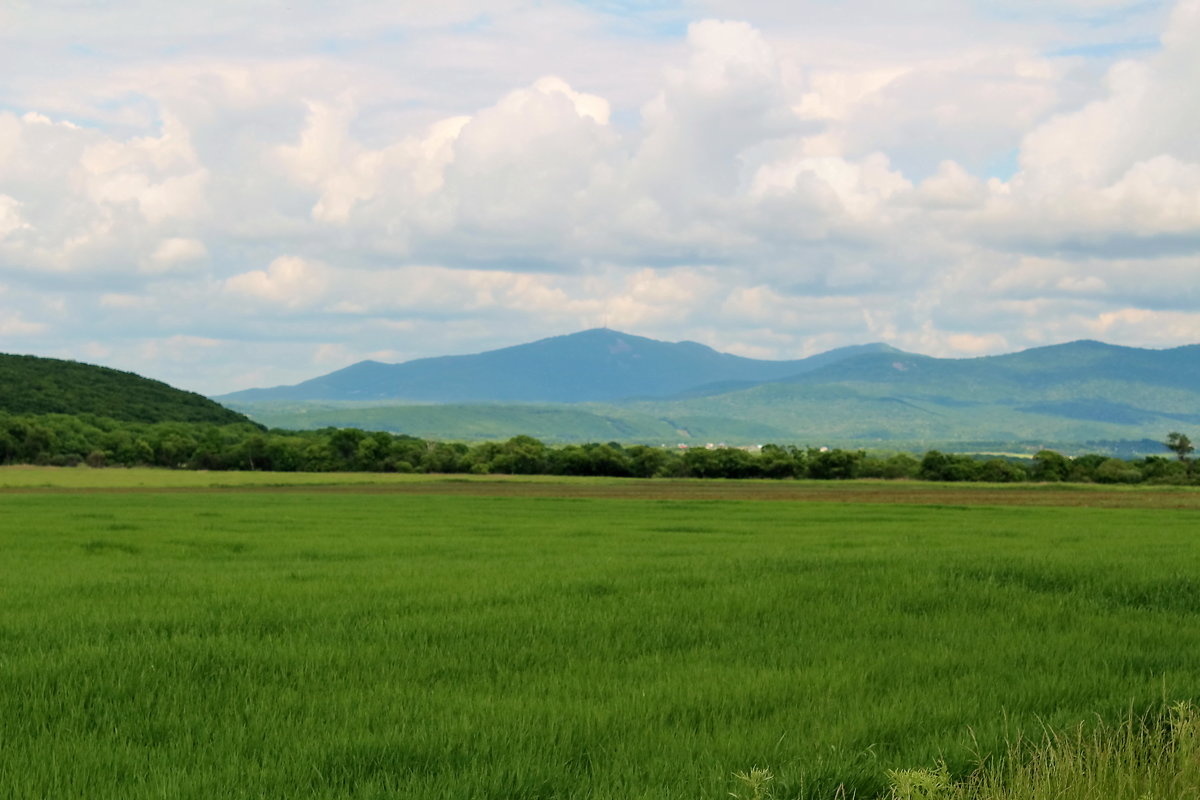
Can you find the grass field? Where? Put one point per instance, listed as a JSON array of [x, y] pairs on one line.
[[425, 638], [55, 479]]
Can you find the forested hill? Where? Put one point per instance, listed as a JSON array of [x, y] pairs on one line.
[[639, 390], [598, 365], [33, 385]]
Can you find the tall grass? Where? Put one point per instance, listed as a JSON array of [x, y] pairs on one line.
[[1151, 757], [325, 645]]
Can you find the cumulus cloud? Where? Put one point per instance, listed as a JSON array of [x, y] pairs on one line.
[[73, 199], [1126, 164], [175, 253], [760, 184], [10, 216], [951, 187], [288, 281], [158, 175], [13, 323]]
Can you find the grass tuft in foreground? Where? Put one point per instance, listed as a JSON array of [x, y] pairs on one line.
[[1143, 758]]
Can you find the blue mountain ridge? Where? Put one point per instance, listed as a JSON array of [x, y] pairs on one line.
[[578, 386], [598, 365]]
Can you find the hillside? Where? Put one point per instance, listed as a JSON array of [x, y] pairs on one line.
[[598, 365], [1072, 393], [33, 385], [1024, 375], [562, 423]]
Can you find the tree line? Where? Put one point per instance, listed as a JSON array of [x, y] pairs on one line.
[[69, 440]]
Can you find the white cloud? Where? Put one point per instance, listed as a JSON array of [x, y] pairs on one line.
[[1127, 163], [13, 323], [289, 282], [951, 187], [779, 178], [75, 200], [175, 253], [160, 175], [728, 98], [1167, 326], [968, 107], [125, 301], [10, 216], [862, 189]]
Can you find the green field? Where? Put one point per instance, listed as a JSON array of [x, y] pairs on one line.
[[491, 641]]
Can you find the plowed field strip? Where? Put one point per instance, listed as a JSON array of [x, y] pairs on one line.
[[890, 492]]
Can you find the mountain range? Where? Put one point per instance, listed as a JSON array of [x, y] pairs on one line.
[[603, 384], [598, 365]]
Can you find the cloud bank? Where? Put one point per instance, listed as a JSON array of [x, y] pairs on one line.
[[233, 200]]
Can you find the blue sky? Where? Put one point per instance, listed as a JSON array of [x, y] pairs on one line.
[[249, 193]]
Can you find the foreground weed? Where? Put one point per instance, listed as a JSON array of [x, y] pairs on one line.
[[1146, 758], [921, 784], [753, 785]]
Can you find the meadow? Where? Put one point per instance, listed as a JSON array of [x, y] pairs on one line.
[[425, 638]]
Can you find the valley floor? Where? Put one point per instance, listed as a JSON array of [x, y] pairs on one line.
[[31, 478], [239, 635]]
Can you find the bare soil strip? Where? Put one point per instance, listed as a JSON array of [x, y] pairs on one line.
[[863, 491], [797, 491]]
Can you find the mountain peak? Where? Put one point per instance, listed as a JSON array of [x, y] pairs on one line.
[[1070, 392], [595, 365]]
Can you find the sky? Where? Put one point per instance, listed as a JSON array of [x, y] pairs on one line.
[[244, 193]]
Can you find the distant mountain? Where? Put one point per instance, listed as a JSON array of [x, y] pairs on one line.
[[1074, 392], [608, 385], [33, 385], [561, 423], [598, 365], [1032, 371]]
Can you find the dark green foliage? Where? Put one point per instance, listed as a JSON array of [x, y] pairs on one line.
[[605, 459], [32, 385], [1179, 444], [647, 462], [1114, 470], [1083, 468], [63, 440], [899, 465], [834, 464], [938, 466], [1157, 469], [1001, 470], [701, 462], [1050, 466], [1182, 447], [779, 462], [520, 455]]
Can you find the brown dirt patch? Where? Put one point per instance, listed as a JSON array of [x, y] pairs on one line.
[[887, 492]]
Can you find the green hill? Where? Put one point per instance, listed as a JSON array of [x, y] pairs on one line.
[[33, 385], [1068, 394], [599, 365], [552, 423]]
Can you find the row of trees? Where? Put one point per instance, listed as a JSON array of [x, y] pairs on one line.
[[65, 440]]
